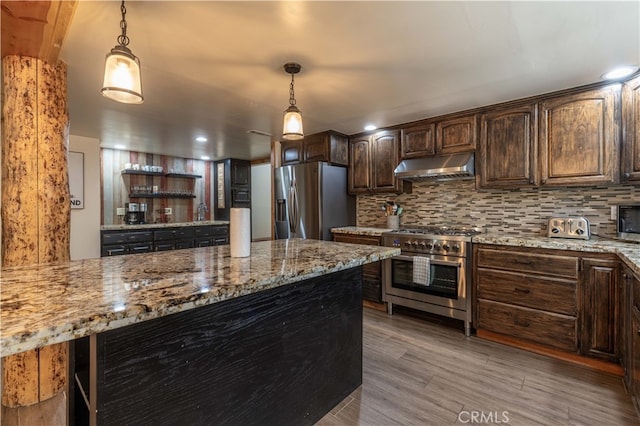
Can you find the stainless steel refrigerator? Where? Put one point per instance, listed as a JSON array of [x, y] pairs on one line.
[[311, 198]]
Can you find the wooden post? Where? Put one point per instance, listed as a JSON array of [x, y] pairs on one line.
[[35, 204]]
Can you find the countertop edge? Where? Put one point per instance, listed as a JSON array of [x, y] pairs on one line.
[[361, 230], [125, 227]]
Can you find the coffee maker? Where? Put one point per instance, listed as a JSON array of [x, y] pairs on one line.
[[135, 213]]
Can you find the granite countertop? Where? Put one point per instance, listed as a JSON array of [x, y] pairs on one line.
[[46, 304], [361, 230], [628, 252], [123, 226]]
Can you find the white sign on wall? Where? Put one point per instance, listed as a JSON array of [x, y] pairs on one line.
[[76, 179]]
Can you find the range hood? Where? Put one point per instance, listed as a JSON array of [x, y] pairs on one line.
[[440, 167]]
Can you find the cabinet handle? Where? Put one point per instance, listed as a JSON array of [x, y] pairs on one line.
[[627, 175], [522, 290], [521, 324], [523, 262], [132, 237]]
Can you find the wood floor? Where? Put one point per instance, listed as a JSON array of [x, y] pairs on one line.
[[421, 372]]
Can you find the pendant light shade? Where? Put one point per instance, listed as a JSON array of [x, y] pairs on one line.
[[122, 81], [292, 126]]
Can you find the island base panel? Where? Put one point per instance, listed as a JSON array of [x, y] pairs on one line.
[[284, 356]]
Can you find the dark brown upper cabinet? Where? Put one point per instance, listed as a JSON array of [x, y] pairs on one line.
[[418, 141], [507, 152], [372, 160], [233, 186], [630, 159], [457, 134], [331, 147], [579, 138]]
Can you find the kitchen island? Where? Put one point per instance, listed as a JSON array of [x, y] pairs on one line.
[[197, 337]]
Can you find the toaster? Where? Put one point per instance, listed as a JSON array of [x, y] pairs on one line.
[[569, 227]]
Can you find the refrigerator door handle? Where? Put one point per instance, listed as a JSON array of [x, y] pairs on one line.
[[293, 207]]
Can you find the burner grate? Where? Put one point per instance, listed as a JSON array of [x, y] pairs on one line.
[[440, 230]]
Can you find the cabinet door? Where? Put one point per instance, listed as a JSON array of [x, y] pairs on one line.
[[599, 308], [385, 156], [316, 148], [578, 138], [624, 325], [630, 159], [291, 152], [240, 173], [418, 141], [359, 166], [338, 149], [457, 134], [635, 354], [372, 272], [508, 142]]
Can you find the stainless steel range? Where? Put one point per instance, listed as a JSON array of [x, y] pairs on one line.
[[432, 272]]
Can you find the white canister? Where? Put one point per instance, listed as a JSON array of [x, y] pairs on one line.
[[240, 232], [393, 222]]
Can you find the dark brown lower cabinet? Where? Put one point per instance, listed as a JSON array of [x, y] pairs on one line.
[[527, 294], [118, 242], [372, 272], [557, 298], [631, 332]]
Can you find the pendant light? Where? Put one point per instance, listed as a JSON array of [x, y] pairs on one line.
[[122, 70], [292, 128]]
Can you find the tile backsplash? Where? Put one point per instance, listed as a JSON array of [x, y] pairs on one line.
[[523, 211]]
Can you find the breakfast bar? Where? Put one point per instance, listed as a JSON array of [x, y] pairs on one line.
[[198, 337]]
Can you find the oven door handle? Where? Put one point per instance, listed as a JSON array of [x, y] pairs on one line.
[[432, 261]]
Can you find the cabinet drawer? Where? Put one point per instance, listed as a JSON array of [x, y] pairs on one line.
[[210, 231], [174, 234], [118, 249], [356, 239], [561, 266], [559, 331], [549, 294], [126, 237]]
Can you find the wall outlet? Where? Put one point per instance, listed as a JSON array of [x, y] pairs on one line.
[[167, 210], [614, 213], [120, 211]]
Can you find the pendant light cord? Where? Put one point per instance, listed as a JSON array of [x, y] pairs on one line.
[[123, 40], [292, 99]]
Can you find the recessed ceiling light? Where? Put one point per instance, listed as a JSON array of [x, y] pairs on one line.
[[119, 146], [619, 72], [201, 139], [370, 127], [204, 157]]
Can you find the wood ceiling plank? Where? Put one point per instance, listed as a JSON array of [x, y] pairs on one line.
[[35, 28]]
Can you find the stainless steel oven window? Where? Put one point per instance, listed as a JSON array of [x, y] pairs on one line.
[[444, 279]]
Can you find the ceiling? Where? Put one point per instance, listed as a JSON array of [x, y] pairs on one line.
[[216, 68]]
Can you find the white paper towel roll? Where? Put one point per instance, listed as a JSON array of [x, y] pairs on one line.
[[240, 232]]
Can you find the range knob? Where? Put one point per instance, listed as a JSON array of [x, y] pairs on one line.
[[429, 244], [456, 247], [445, 246], [407, 243], [437, 246], [423, 245]]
